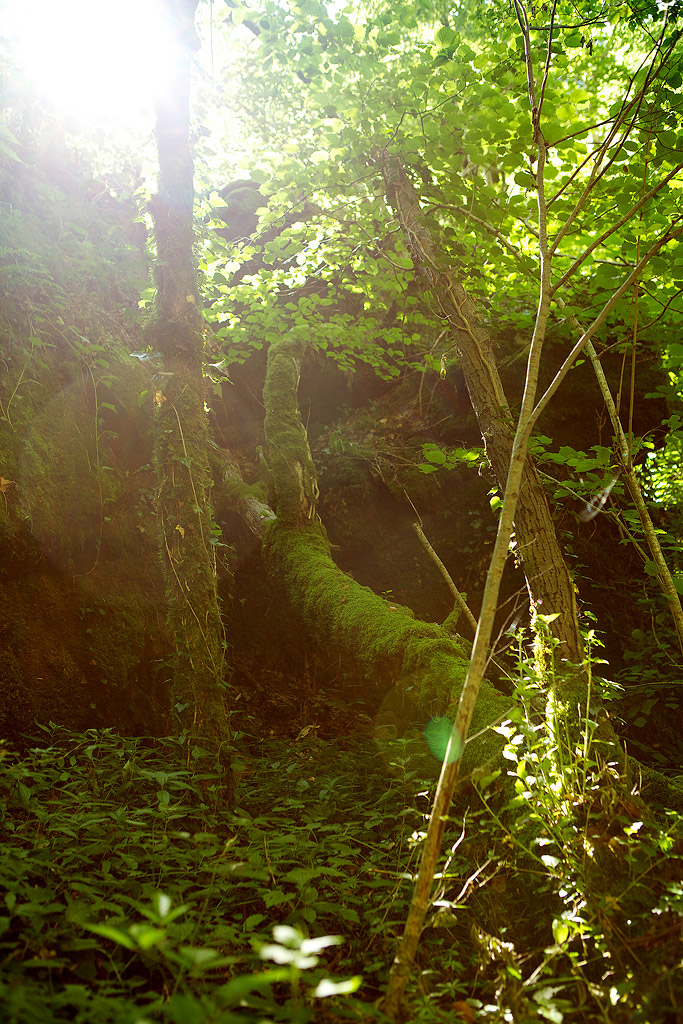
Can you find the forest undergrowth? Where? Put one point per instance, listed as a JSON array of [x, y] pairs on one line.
[[133, 895]]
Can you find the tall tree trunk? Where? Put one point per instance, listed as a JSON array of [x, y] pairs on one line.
[[550, 586], [180, 424]]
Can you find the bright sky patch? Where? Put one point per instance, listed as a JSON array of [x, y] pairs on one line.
[[93, 60]]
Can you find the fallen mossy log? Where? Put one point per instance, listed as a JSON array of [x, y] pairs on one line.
[[389, 646]]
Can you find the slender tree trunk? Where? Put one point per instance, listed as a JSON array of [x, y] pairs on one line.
[[550, 586], [664, 573], [180, 425]]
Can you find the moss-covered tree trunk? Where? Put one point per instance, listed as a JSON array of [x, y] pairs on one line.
[[180, 424], [550, 586], [384, 640]]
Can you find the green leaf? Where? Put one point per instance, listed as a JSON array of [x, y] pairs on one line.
[[146, 935], [109, 932], [434, 455], [253, 921], [327, 987], [237, 989], [199, 959], [183, 1008], [275, 897], [445, 37]]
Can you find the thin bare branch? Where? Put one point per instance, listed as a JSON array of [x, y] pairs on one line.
[[668, 236], [549, 53], [598, 173], [615, 227], [492, 230], [459, 599], [520, 12], [664, 305]]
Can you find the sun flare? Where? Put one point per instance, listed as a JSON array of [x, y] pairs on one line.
[[95, 61]]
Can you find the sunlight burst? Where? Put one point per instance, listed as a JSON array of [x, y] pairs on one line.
[[93, 60]]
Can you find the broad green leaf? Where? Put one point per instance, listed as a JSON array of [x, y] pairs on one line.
[[115, 934], [434, 455], [445, 37]]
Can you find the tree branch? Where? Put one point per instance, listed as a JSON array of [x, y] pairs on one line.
[[669, 236], [615, 227]]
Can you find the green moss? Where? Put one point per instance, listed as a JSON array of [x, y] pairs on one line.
[[289, 455], [661, 791], [384, 639], [233, 487], [186, 556]]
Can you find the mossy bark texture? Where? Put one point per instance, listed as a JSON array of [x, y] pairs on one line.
[[248, 500], [384, 639], [181, 435], [551, 589]]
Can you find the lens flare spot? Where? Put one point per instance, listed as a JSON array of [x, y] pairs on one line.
[[443, 739]]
